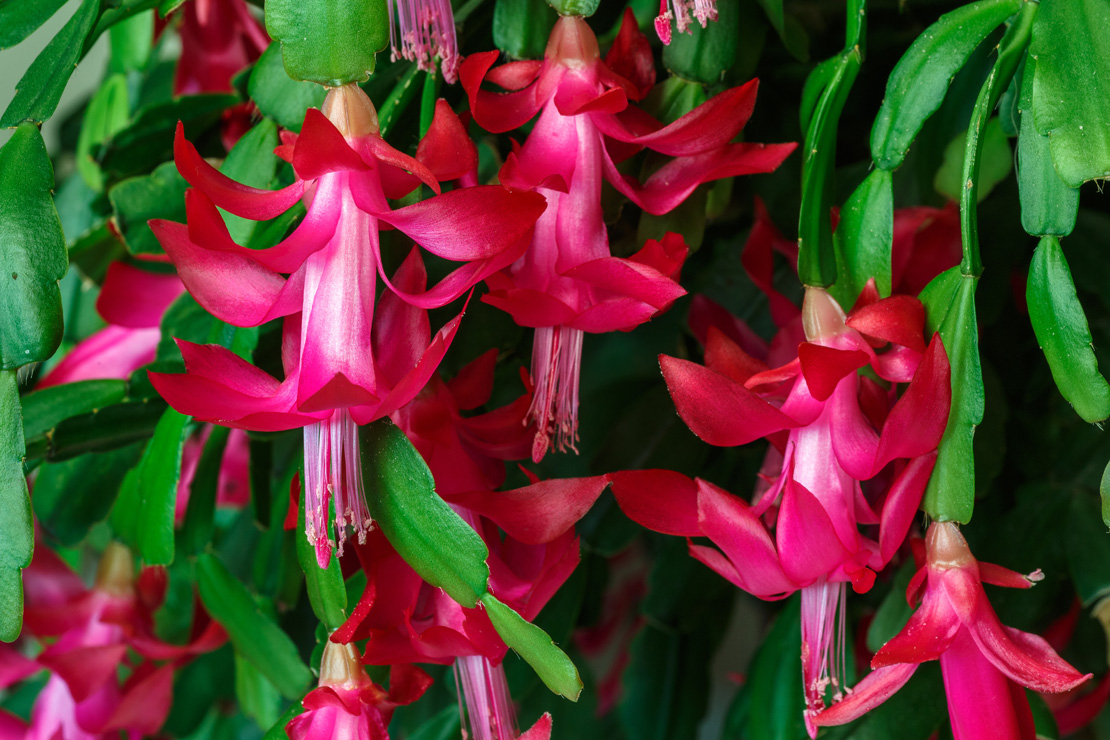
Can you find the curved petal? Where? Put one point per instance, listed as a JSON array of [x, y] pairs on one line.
[[496, 112], [242, 200], [875, 688], [982, 703], [899, 319], [401, 331], [446, 150], [854, 441], [321, 149], [719, 411], [538, 513], [136, 298], [628, 278], [531, 308], [617, 314], [112, 352], [630, 56], [824, 367], [930, 632], [661, 500], [1027, 659], [902, 502], [808, 544], [916, 423]]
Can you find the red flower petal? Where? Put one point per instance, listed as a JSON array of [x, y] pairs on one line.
[[899, 319], [537, 513], [916, 423], [824, 367], [446, 149], [661, 500]]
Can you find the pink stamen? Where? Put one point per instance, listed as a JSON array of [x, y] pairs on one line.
[[333, 469], [682, 12], [422, 30], [556, 362], [824, 662], [489, 706]]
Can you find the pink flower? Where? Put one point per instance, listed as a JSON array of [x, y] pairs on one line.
[[422, 31], [830, 429], [683, 12], [348, 705], [984, 663], [96, 630], [568, 283], [346, 362]]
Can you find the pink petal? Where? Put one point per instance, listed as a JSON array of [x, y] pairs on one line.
[[733, 526], [824, 367], [407, 683], [242, 200], [85, 669], [13, 728], [705, 313], [996, 575], [469, 223], [916, 423], [446, 149], [376, 148], [530, 308], [136, 298], [982, 703], [515, 75], [145, 703], [661, 500], [401, 331], [112, 352], [496, 113], [854, 440], [1027, 659], [630, 279], [902, 502], [899, 319], [724, 356], [230, 286], [875, 688], [808, 544], [930, 632], [758, 260], [721, 412], [321, 149], [537, 513], [472, 386], [617, 314], [630, 56]]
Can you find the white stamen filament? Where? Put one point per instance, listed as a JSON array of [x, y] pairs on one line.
[[823, 641], [332, 468], [422, 30], [488, 705], [556, 364]]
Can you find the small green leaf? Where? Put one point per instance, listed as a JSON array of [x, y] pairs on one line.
[[1071, 88], [950, 495], [400, 493], [521, 27], [584, 8], [17, 537], [279, 97], [107, 113], [131, 41], [20, 18], [37, 93], [706, 55], [197, 530], [136, 200], [775, 680], [108, 428], [919, 81], [1062, 331], [254, 635], [326, 590], [251, 162], [1048, 206], [937, 298], [996, 162], [45, 409], [864, 238], [32, 249], [257, 696], [329, 42], [551, 664]]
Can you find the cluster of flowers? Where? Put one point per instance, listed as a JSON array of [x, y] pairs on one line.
[[853, 405]]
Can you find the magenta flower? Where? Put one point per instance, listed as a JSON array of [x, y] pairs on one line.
[[683, 12], [422, 31], [568, 283], [345, 362], [830, 429], [983, 662], [89, 636], [348, 705]]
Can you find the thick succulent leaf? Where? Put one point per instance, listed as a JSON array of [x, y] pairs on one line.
[[16, 530], [279, 97], [554, 668], [332, 42]]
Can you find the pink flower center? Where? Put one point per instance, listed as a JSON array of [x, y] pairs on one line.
[[332, 469], [556, 362], [422, 30], [488, 704]]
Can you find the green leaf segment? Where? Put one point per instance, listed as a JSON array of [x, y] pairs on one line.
[[444, 550], [329, 42]]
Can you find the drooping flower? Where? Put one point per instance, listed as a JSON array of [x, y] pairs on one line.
[[568, 283], [683, 12], [830, 429], [344, 362], [89, 636], [348, 705], [984, 663], [422, 31]]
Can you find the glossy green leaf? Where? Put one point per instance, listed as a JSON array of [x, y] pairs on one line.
[[1062, 331], [254, 635], [1044, 721], [136, 200], [197, 530], [326, 590], [920, 80], [257, 696], [584, 8], [131, 42], [20, 18], [864, 238], [107, 113], [775, 681], [1048, 206], [45, 409], [109, 428], [329, 42], [996, 162], [950, 495], [32, 249], [937, 298], [428, 534], [521, 27], [37, 93], [144, 512], [1071, 89], [551, 664], [706, 54], [17, 536], [279, 97], [149, 136], [399, 98], [73, 495]]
